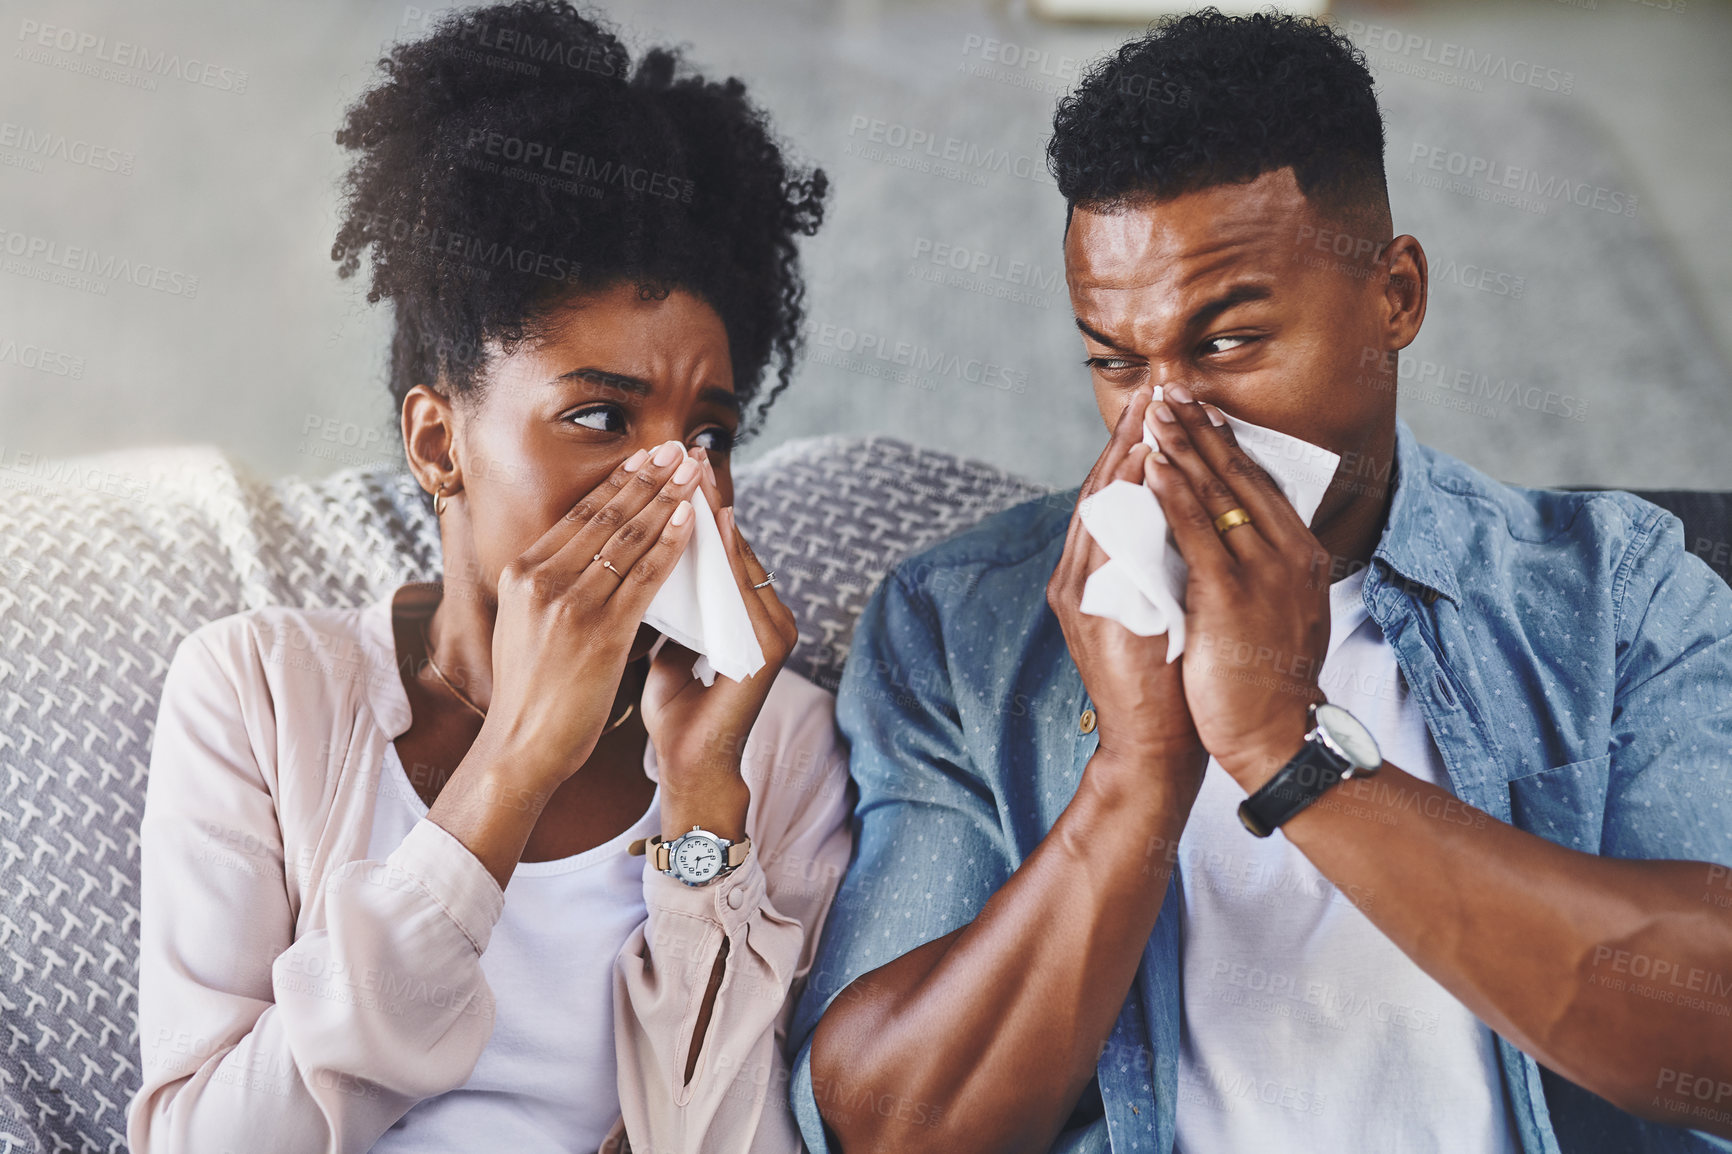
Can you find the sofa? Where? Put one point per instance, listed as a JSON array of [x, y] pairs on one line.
[[107, 561]]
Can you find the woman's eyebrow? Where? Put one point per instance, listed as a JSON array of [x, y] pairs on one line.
[[625, 384], [720, 396], [637, 386]]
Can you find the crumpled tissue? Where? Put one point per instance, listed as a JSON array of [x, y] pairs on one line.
[[700, 606], [1142, 585]]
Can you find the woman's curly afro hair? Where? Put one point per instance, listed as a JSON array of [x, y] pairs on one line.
[[514, 158], [1207, 99]]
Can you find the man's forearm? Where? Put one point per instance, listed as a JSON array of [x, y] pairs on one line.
[[1617, 974], [996, 1027]]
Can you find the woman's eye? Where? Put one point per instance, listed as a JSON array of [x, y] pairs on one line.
[[715, 440], [1223, 344], [602, 418]]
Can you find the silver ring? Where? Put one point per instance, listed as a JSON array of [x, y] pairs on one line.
[[769, 579]]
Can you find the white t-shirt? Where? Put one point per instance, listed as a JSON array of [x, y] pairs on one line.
[[1305, 1029], [550, 966]]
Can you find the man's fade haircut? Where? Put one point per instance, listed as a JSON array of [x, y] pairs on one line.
[[1206, 99]]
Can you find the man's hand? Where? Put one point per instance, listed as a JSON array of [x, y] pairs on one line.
[[1138, 696], [1002, 1021], [1256, 604]]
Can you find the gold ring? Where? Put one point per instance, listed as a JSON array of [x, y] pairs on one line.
[[608, 565], [1231, 519]]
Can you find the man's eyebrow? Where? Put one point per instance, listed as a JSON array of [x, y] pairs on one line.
[[1093, 334], [639, 387], [1237, 295]]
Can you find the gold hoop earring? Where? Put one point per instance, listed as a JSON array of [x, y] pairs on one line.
[[439, 501]]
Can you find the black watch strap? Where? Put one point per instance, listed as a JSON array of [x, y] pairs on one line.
[[1311, 774]]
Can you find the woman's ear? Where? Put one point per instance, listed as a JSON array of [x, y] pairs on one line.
[[430, 439]]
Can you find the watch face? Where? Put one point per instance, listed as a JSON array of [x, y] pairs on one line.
[[1352, 739], [697, 858]]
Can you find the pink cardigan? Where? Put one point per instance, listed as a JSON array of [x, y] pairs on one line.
[[295, 996]]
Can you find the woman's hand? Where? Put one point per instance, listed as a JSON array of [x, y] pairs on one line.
[[699, 732], [566, 621], [1256, 604], [1139, 698]]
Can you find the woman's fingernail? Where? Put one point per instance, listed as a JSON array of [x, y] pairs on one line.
[[1160, 456], [668, 452], [682, 513], [633, 462], [1215, 417], [1179, 393], [1163, 413], [687, 470]]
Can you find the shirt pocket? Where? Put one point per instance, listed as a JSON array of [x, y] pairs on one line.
[[1565, 804]]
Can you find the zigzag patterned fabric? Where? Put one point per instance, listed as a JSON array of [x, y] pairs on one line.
[[107, 562]]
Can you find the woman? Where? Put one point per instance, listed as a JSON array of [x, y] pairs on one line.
[[389, 898]]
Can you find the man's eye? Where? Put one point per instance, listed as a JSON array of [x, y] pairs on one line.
[[602, 418], [715, 440], [1223, 344], [1108, 364]]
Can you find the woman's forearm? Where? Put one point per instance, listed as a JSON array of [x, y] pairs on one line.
[[680, 1033], [491, 806], [385, 1006], [321, 1040]]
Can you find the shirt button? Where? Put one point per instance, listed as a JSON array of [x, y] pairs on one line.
[[1086, 722], [736, 899]]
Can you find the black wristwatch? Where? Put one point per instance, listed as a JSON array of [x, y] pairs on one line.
[[1336, 748]]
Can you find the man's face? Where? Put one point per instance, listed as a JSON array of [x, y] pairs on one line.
[[1262, 305]]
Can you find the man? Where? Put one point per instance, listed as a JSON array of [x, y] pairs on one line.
[[1496, 913]]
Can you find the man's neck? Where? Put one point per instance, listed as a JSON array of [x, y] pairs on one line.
[[1356, 507]]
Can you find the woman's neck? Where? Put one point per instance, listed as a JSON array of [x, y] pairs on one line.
[[459, 639]]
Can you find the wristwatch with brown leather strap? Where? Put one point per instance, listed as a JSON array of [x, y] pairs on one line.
[[698, 857]]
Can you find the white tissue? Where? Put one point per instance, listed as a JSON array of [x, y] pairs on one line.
[[1142, 585], [701, 607]]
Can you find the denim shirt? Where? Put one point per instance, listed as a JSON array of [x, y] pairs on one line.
[[1572, 660]]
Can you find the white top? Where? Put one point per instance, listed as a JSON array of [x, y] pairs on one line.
[[298, 991], [1305, 1028], [545, 1079]]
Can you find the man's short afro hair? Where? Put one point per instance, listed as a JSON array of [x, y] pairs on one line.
[[1206, 99], [514, 158]]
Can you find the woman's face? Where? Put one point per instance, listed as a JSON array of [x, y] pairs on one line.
[[613, 374]]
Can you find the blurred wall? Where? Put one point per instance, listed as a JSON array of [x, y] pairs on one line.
[[1578, 331]]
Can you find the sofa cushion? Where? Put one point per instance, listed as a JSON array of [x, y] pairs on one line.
[[107, 562]]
